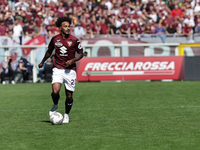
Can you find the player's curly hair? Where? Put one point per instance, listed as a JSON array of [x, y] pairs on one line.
[[60, 20]]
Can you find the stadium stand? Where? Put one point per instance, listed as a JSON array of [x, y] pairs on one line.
[[134, 18]]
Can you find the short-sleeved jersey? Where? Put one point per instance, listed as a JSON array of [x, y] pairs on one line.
[[65, 49]]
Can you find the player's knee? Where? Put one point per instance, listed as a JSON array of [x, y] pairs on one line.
[[55, 91], [69, 101]]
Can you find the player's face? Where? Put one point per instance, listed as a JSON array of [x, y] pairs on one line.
[[65, 27]]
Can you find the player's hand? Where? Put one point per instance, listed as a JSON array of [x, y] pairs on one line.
[[69, 63], [40, 65]]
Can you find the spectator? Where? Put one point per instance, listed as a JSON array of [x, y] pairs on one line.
[[8, 71], [115, 13], [25, 26], [52, 1], [171, 5], [39, 8], [61, 9], [161, 33], [30, 30], [17, 32], [79, 31], [32, 8], [25, 68], [12, 4], [153, 16], [38, 21], [97, 28], [104, 27], [153, 26], [90, 24], [176, 12], [118, 24], [42, 31], [187, 30], [51, 31], [147, 29], [2, 28], [9, 19], [108, 4], [132, 26], [197, 26], [67, 5], [22, 5], [83, 23], [125, 29], [28, 14], [88, 31], [48, 16], [5, 6], [166, 19], [179, 27], [126, 10], [109, 31], [170, 29], [9, 31], [189, 20], [86, 14], [139, 31]]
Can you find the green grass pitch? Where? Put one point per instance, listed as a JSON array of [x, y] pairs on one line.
[[105, 116]]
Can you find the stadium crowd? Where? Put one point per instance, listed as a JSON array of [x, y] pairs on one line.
[[97, 17]]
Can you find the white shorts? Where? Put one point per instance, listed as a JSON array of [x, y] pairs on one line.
[[68, 76]]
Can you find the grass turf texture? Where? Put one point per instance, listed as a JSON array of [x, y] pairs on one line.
[[105, 116]]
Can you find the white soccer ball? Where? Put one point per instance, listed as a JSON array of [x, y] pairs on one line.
[[56, 118]]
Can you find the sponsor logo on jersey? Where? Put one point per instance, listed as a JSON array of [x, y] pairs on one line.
[[129, 68], [63, 50], [69, 43], [58, 44]]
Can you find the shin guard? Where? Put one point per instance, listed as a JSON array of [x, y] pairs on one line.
[[68, 105], [55, 98]]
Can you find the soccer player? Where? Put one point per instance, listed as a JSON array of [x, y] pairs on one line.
[[64, 65]]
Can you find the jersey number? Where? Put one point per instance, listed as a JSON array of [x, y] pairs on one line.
[[72, 82]]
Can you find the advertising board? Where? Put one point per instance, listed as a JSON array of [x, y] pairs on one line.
[[130, 68]]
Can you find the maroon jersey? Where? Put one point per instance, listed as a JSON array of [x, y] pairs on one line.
[[9, 31], [65, 49], [30, 30], [38, 21]]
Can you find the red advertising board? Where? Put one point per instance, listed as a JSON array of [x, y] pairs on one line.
[[130, 68]]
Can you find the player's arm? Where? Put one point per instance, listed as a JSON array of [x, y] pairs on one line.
[[48, 53], [79, 50], [46, 56], [77, 58]]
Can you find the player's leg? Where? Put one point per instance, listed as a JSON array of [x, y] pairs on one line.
[[69, 101], [55, 92], [57, 80], [70, 80], [55, 96], [68, 105]]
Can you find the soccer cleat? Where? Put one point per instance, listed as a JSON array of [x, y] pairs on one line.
[[53, 109], [4, 82], [66, 118], [13, 82]]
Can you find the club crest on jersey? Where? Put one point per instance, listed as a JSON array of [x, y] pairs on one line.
[[58, 44], [69, 43]]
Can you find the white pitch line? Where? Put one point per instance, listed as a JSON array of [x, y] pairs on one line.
[[107, 108]]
